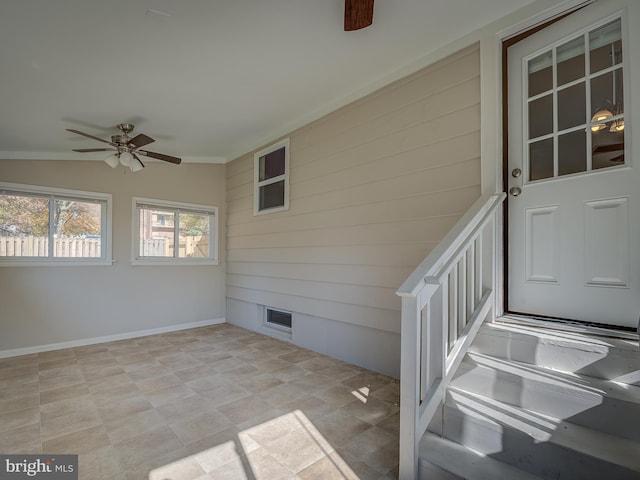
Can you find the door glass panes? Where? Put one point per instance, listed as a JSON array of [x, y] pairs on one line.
[[572, 153], [570, 61], [608, 146], [541, 116], [602, 95], [540, 71], [541, 159], [605, 46], [574, 109], [572, 106]]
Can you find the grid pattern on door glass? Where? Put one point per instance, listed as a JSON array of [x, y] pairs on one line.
[[574, 113]]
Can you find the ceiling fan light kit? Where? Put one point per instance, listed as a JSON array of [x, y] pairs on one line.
[[126, 148]]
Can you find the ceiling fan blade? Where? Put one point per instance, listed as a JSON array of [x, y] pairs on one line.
[[90, 136], [615, 147], [138, 158], [160, 156], [357, 14], [141, 140], [83, 150]]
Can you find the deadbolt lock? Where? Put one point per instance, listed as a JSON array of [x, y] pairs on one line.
[[516, 173]]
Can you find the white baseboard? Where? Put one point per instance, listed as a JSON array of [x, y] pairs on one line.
[[108, 338]]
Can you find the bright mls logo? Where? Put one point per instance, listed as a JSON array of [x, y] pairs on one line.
[[51, 467]]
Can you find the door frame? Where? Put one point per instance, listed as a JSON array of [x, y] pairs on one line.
[[504, 90]]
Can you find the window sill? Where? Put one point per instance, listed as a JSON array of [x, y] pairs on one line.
[[173, 262], [56, 263]]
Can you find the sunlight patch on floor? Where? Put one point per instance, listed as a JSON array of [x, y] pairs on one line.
[[285, 447]]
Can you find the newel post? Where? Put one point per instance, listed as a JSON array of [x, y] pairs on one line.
[[409, 386]]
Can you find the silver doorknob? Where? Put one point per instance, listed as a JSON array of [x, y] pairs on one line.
[[515, 191]]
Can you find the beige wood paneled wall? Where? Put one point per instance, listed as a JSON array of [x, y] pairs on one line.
[[374, 187]]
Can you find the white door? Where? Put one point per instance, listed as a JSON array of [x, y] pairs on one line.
[[573, 169]]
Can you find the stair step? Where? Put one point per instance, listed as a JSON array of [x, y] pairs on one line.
[[600, 357], [543, 445], [591, 402], [441, 459]]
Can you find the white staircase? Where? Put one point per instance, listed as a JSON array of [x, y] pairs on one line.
[[531, 403]]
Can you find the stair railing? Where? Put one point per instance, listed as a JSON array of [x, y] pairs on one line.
[[444, 303]]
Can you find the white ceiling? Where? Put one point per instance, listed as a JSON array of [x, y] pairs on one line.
[[208, 79]]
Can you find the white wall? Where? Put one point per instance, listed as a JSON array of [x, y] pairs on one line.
[[374, 187], [44, 306]]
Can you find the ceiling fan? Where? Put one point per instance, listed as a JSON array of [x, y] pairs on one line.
[[127, 149], [357, 14]]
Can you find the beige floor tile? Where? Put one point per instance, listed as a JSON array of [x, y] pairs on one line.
[[312, 407], [285, 393], [19, 372], [185, 409], [82, 441], [58, 425], [123, 407], [339, 428], [158, 383], [20, 403], [199, 427], [168, 395], [297, 450], [148, 449], [218, 449], [24, 440], [391, 425], [265, 467], [290, 372], [226, 393], [195, 373], [60, 377], [57, 394], [236, 469], [261, 382], [313, 382], [371, 410], [100, 464], [376, 448], [123, 429], [337, 395], [19, 418], [210, 382], [328, 469], [183, 469], [16, 389], [245, 409], [68, 406], [101, 370], [275, 428]]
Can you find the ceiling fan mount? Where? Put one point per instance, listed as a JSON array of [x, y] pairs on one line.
[[126, 148]]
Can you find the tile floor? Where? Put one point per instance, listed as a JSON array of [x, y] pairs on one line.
[[216, 402]]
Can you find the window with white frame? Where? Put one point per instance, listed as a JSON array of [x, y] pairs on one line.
[[166, 232], [271, 178], [53, 226]]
